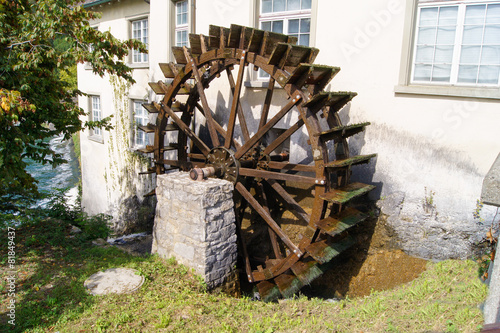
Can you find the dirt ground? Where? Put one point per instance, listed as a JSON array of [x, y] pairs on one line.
[[375, 263]]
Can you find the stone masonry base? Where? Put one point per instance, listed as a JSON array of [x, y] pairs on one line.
[[195, 223]]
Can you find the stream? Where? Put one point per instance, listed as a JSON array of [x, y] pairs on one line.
[[64, 176]]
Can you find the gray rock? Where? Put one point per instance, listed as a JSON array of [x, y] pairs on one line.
[[423, 232], [75, 230], [99, 242], [114, 280], [490, 194], [392, 204]]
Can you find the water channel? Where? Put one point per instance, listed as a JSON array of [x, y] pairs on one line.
[[65, 176]]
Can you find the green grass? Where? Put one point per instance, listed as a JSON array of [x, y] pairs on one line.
[[52, 267]]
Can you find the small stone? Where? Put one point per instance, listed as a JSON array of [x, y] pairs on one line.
[[75, 230], [114, 280], [99, 242]]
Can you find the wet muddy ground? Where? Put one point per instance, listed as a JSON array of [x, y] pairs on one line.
[[375, 263]]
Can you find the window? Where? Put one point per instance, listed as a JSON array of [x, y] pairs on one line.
[[290, 17], [140, 32], [181, 23], [141, 118], [457, 43], [96, 114]]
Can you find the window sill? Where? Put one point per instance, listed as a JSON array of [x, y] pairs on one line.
[[260, 84], [449, 91], [135, 149], [96, 138], [138, 65]]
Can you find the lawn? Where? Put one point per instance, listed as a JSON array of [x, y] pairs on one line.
[[51, 266]]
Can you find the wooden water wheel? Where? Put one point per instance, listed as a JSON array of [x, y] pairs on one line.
[[263, 174]]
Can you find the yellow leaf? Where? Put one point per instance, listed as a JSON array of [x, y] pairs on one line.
[[5, 106], [489, 236]]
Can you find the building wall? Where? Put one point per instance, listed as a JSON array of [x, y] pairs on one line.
[[110, 181], [431, 148], [433, 151]]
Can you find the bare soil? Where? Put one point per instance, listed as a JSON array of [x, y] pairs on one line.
[[375, 263]]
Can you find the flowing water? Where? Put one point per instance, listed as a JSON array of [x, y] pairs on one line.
[[64, 176]]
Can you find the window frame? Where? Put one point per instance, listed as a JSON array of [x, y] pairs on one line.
[[87, 65], [144, 57], [406, 85], [285, 16], [95, 134], [135, 124], [183, 27]]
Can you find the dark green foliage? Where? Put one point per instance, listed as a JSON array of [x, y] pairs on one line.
[[40, 42]]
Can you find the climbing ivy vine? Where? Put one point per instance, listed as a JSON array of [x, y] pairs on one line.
[[124, 163]]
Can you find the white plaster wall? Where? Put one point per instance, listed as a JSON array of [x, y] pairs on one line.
[[223, 13], [370, 66], [102, 191], [446, 144], [160, 18]]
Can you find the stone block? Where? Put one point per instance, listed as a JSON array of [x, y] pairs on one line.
[[490, 194], [184, 251], [195, 223]]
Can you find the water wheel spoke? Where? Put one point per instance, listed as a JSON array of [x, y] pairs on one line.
[[267, 102], [291, 166], [248, 172], [274, 241], [235, 102], [285, 135], [261, 132], [203, 98], [236, 89], [188, 131], [294, 206], [241, 239], [218, 127], [266, 217]]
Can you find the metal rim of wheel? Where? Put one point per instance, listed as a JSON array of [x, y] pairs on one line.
[[249, 163]]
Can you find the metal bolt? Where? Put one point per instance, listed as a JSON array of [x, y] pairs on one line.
[[322, 182], [316, 181]]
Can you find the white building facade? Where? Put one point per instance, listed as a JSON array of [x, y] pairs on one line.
[[426, 73]]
